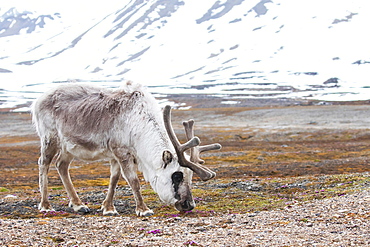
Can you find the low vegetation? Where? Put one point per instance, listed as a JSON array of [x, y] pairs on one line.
[[254, 173]]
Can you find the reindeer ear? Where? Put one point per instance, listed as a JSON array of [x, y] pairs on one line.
[[167, 157]]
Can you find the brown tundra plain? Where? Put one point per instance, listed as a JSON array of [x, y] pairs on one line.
[[290, 173]]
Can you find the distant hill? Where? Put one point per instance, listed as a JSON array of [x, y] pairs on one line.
[[255, 48]]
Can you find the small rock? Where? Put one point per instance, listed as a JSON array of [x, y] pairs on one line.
[[141, 235], [10, 196], [309, 224]]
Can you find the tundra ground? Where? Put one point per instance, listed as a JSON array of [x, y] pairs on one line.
[[272, 157]]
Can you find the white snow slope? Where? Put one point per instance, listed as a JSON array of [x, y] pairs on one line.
[[234, 48]]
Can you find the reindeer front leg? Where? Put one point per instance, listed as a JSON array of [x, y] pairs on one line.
[[129, 172], [108, 206], [62, 165]]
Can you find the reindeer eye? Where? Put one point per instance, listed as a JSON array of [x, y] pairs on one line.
[[177, 177], [167, 158]]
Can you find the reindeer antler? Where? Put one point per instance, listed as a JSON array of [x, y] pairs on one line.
[[195, 151], [203, 172]]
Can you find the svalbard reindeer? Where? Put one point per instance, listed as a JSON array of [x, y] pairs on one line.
[[124, 126]]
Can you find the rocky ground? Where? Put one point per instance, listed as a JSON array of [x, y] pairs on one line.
[[291, 173], [342, 221]]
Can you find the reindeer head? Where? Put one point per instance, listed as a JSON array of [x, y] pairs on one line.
[[181, 179]]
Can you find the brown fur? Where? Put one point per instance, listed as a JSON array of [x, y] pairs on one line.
[[87, 110]]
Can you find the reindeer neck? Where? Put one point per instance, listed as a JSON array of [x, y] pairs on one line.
[[149, 140]]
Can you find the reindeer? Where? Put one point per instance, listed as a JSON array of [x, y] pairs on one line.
[[124, 126]]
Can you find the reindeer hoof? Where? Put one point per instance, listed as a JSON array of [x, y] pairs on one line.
[[84, 210], [47, 208], [111, 214], [145, 213], [80, 208]]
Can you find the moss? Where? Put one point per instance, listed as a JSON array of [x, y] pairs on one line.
[[2, 189], [92, 182], [57, 188]]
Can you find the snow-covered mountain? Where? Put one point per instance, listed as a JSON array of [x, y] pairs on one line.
[[240, 48]]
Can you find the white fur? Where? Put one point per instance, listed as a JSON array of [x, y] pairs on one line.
[[139, 132]]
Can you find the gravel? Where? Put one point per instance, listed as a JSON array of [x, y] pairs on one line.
[[339, 221]]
